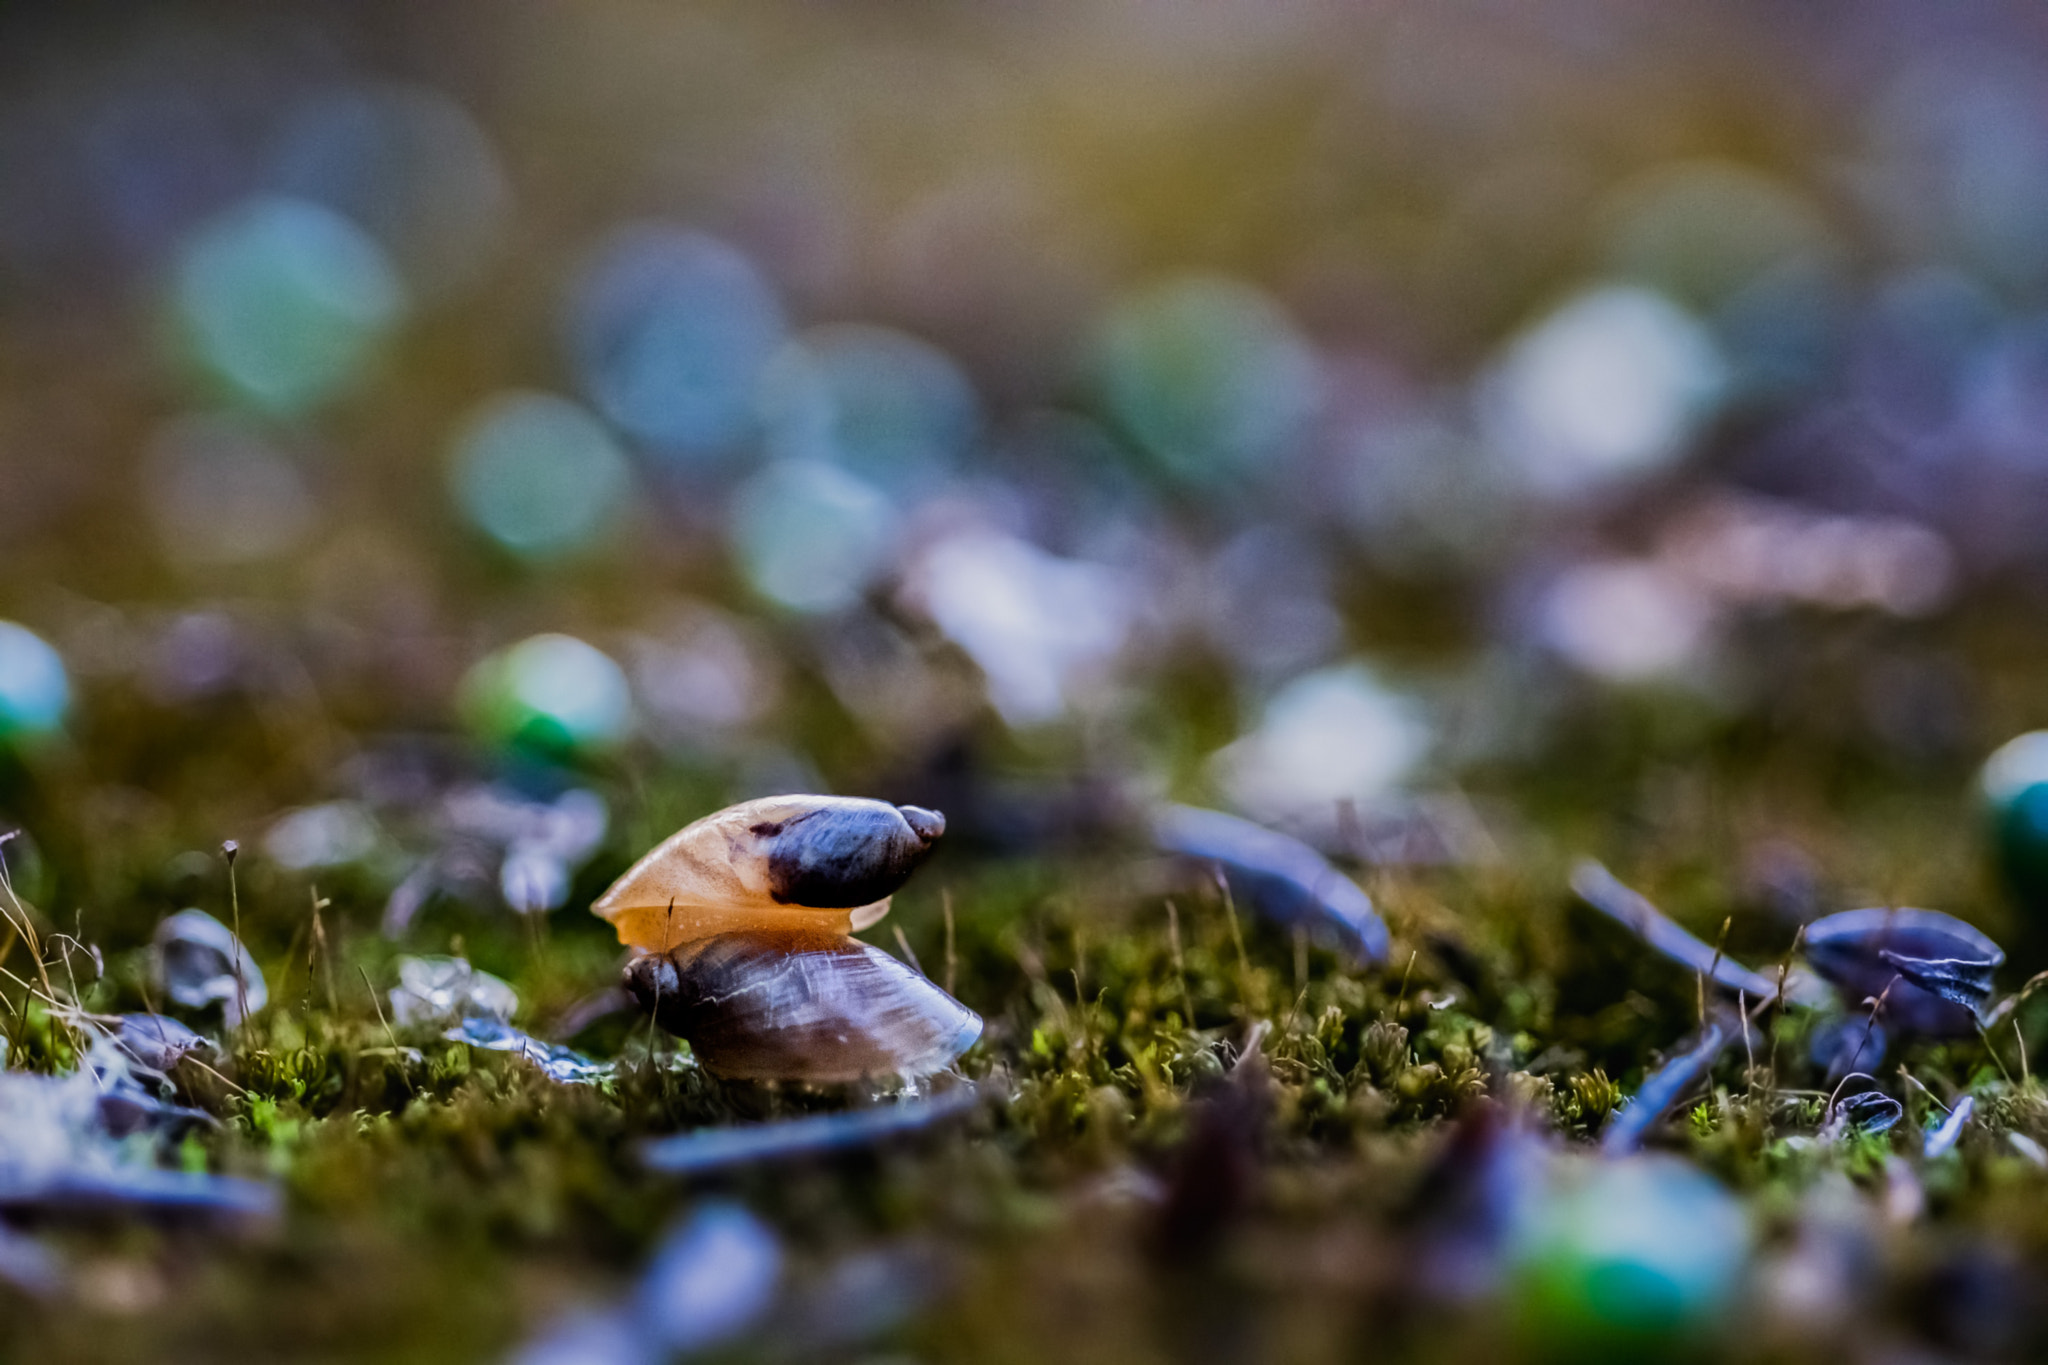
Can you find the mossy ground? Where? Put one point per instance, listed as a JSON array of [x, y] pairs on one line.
[[444, 1203]]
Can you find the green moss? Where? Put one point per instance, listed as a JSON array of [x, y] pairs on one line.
[[444, 1201]]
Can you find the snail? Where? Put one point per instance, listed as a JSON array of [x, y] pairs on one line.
[[1932, 971], [744, 922], [1900, 973]]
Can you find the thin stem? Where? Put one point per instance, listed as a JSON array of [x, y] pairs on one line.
[[1986, 1039], [26, 926], [1916, 1083], [326, 951], [952, 959], [1180, 966], [909, 954], [403, 1073], [1720, 946], [1748, 1044], [1871, 1025], [1406, 972], [1244, 964]]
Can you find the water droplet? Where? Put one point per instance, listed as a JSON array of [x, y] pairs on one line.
[[1039, 627], [1334, 735], [411, 166], [221, 493]]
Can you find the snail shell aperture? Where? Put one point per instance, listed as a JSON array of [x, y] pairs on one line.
[[744, 920]]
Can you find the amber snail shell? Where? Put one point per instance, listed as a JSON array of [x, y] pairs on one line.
[[744, 921], [796, 862]]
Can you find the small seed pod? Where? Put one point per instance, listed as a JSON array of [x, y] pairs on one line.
[[818, 863], [1932, 971], [801, 1004], [1868, 1111]]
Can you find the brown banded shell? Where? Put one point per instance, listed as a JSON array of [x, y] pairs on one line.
[[815, 863], [801, 1004]]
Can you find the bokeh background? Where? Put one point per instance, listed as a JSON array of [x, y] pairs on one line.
[[446, 447], [1097, 387], [1437, 434]]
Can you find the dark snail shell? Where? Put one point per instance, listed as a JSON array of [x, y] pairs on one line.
[[1936, 968], [1867, 1111], [801, 1005], [847, 854], [1277, 876], [796, 862], [1849, 1043]]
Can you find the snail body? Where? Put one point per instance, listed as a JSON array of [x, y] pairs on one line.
[[744, 922]]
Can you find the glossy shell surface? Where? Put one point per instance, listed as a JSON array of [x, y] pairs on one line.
[[800, 863], [801, 1005], [1860, 953], [1278, 876]]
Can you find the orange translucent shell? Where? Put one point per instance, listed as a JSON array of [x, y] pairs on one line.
[[711, 877]]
